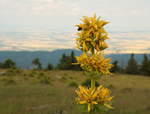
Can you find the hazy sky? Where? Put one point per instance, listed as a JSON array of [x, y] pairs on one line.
[[58, 17]]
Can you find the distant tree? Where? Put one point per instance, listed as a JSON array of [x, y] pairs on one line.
[[1, 65], [115, 67], [49, 66], [149, 68], [8, 63], [132, 67], [145, 66], [66, 62], [36, 62], [73, 58]]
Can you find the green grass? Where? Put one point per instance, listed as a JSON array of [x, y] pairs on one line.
[[23, 93]]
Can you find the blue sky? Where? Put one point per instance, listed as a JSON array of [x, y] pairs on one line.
[[50, 24]]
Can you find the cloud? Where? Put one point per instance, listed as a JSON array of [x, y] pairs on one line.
[[36, 41], [129, 42], [42, 24], [123, 14], [38, 7], [119, 42]]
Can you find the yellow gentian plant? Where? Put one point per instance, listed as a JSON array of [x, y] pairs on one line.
[[91, 40]]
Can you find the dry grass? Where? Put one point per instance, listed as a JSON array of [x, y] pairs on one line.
[[28, 96]]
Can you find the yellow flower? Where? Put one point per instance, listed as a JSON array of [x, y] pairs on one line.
[[91, 40], [93, 96], [92, 35], [95, 62]]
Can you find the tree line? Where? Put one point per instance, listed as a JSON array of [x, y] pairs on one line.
[[66, 63], [133, 67]]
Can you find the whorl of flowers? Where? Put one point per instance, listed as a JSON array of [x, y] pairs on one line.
[[93, 96], [95, 62], [92, 35]]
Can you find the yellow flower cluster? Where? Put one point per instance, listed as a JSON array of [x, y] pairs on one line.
[[92, 34], [93, 96], [96, 62], [91, 40]]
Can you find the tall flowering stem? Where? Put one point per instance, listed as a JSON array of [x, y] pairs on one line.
[[90, 39]]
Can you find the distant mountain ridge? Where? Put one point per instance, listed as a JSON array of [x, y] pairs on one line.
[[24, 59]]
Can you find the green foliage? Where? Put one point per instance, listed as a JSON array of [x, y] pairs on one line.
[[73, 59], [13, 71], [63, 78], [1, 65], [132, 67], [92, 75], [145, 66], [100, 108], [45, 80], [9, 81], [87, 83], [41, 74], [73, 84], [97, 108], [66, 62], [8, 63], [32, 73], [36, 62], [49, 67], [115, 68]]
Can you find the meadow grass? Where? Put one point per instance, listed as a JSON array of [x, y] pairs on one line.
[[52, 92]]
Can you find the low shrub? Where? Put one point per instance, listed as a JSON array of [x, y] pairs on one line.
[[12, 72], [9, 81], [63, 78], [111, 86], [45, 80], [73, 84], [32, 73]]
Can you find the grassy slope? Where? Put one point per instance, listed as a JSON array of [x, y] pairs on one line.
[[23, 93]]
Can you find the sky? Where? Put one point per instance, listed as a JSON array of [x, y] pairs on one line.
[[50, 24]]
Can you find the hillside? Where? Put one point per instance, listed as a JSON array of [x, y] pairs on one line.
[[24, 59], [52, 92]]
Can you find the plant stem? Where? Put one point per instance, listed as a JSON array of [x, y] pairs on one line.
[[92, 83], [92, 80]]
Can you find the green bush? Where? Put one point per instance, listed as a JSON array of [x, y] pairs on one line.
[[63, 78], [32, 73], [45, 80], [9, 81], [12, 72], [73, 84]]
